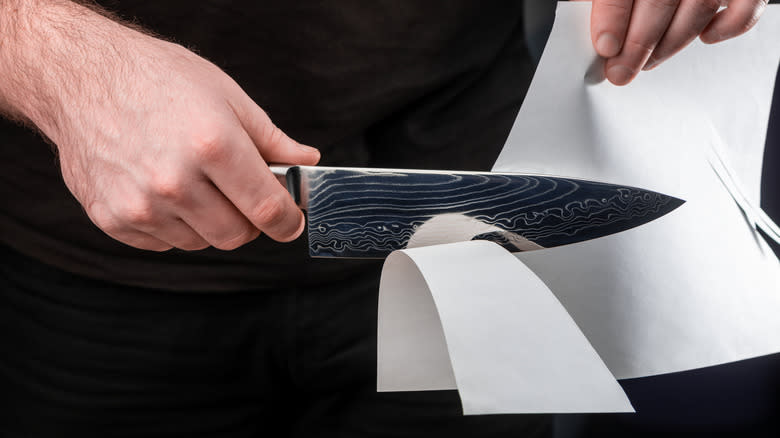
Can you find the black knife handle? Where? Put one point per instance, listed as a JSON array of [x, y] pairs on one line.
[[290, 178]]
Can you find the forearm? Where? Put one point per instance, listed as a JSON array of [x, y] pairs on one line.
[[55, 56]]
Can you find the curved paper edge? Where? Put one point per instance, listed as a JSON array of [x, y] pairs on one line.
[[494, 331], [411, 350]]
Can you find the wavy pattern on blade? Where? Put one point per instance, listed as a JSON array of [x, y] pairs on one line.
[[360, 213]]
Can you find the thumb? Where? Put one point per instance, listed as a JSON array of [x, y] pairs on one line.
[[272, 143]]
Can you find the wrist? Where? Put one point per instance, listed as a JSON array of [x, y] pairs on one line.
[[54, 58]]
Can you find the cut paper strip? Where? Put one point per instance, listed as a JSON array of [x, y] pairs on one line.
[[470, 316], [755, 215], [699, 286]]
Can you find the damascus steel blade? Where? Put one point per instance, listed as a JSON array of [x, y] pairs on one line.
[[368, 213]]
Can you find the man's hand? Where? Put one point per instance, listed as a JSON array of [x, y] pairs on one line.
[[160, 147], [638, 35]]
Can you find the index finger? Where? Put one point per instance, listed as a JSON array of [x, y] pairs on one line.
[[608, 25], [242, 175], [649, 21]]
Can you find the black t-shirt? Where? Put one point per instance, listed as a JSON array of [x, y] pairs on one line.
[[420, 84]]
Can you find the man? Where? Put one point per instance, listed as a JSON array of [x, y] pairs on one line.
[[161, 301]]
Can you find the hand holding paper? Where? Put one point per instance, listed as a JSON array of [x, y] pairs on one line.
[[695, 288], [641, 34]]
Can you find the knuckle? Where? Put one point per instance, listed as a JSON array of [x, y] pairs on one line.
[[640, 45], [617, 5], [272, 136], [269, 213], [138, 213], [664, 4], [169, 187], [209, 148], [611, 14], [112, 225], [275, 135]]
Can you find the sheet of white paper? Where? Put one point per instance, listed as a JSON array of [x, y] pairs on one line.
[[485, 324], [699, 286]]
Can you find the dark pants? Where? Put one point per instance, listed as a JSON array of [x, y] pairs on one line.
[[80, 357]]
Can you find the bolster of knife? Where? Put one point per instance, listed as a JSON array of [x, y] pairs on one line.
[[290, 178]]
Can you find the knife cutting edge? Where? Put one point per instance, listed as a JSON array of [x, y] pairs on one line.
[[368, 213]]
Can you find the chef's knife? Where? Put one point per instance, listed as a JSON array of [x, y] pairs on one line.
[[368, 213]]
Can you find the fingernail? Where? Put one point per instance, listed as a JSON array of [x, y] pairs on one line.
[[308, 149], [607, 45], [620, 74], [651, 64], [711, 36]]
